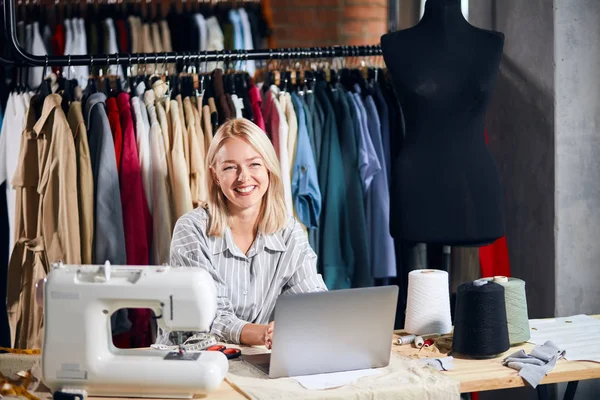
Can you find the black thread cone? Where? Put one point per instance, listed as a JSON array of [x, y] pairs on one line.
[[480, 327]]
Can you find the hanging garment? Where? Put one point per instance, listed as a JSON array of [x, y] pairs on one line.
[[220, 97], [113, 48], [369, 165], [215, 41], [36, 74], [383, 255], [318, 118], [238, 35], [165, 130], [272, 120], [137, 220], [493, 258], [305, 182], [12, 128], [58, 180], [384, 120], [115, 126], [363, 276], [161, 194], [284, 130], [136, 216], [26, 264], [250, 65], [85, 181], [336, 254], [109, 235], [57, 40], [256, 102], [57, 237], [81, 72], [203, 31], [180, 184], [198, 188], [143, 149], [184, 136], [292, 120], [314, 126]]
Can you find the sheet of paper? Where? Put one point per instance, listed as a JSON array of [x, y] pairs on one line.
[[334, 379], [577, 334]]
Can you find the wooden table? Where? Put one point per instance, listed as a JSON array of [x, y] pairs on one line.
[[473, 375], [490, 374]]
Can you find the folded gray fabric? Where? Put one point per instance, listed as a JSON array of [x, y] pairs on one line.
[[533, 367], [441, 364]]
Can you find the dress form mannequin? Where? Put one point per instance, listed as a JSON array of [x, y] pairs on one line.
[[446, 187]]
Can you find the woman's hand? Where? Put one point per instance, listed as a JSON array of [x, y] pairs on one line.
[[257, 335], [269, 335]]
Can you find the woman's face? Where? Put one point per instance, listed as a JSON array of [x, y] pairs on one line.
[[241, 174]]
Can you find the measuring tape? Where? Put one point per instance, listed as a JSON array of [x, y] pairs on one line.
[[197, 342]]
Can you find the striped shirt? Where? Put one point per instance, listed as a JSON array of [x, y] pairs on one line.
[[247, 284]]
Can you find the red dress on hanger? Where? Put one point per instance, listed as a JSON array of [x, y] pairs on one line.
[[493, 258]]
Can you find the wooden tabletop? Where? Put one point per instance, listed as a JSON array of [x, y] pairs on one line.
[[473, 375], [490, 374]]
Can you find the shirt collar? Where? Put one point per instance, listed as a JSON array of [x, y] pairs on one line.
[[273, 242]]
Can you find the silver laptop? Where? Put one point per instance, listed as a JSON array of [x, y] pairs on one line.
[[339, 330]]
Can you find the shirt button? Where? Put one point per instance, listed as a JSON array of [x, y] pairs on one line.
[[303, 168], [245, 292]]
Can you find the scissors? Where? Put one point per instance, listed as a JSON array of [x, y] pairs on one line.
[[230, 352]]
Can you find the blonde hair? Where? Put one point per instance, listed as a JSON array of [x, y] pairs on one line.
[[273, 212]]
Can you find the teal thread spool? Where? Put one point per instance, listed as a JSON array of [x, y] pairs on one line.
[[516, 308]]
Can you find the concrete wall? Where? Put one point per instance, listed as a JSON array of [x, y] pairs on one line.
[[577, 122], [577, 33], [543, 125], [520, 125]]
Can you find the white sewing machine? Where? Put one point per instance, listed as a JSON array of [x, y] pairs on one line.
[[78, 352]]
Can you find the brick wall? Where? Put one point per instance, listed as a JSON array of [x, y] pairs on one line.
[[305, 23]]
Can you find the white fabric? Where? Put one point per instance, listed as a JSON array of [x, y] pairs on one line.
[[239, 105], [10, 144], [68, 37], [201, 22], [143, 146], [35, 47], [402, 379], [81, 71], [248, 45], [113, 49], [284, 160], [215, 40]]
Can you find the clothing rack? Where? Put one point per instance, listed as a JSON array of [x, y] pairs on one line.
[[24, 58]]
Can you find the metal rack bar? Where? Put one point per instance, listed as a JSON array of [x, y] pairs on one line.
[[26, 58]]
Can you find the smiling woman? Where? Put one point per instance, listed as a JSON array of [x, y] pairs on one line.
[[244, 237]]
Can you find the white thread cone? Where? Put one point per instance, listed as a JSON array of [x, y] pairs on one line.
[[428, 303]]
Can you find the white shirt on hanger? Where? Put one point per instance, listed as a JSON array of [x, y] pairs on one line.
[[68, 37], [36, 47], [248, 45], [113, 49], [239, 105], [201, 22], [81, 71], [215, 41], [10, 145]]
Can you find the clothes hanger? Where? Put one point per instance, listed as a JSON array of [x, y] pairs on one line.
[[45, 88]]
